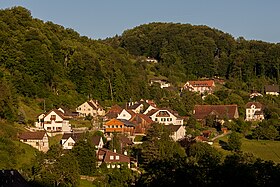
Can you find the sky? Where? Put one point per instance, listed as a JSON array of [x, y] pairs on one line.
[[99, 19]]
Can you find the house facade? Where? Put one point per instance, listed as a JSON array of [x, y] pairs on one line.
[[68, 140], [254, 111], [38, 140], [165, 116], [112, 159], [126, 114], [204, 86], [178, 132], [53, 121], [162, 83], [90, 108], [119, 126], [272, 90]]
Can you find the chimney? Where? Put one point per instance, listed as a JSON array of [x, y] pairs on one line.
[[125, 152], [115, 150]]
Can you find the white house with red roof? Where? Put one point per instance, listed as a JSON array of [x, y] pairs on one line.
[[254, 111], [112, 159], [53, 121], [201, 87], [68, 140], [165, 116], [92, 108]]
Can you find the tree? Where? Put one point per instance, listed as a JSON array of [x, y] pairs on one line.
[[85, 154], [234, 141]]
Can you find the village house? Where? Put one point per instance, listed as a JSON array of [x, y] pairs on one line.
[[142, 123], [203, 86], [53, 121], [126, 114], [136, 107], [119, 126], [90, 108], [178, 132], [165, 116], [272, 89], [255, 94], [38, 140], [162, 82], [113, 112], [68, 140], [219, 112], [151, 60], [254, 111], [113, 159]]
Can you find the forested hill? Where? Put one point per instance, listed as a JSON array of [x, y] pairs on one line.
[[185, 51], [45, 60]]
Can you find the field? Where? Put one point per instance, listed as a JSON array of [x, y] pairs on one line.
[[264, 149], [85, 183]]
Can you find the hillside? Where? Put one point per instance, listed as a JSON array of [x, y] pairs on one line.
[[44, 62], [186, 52]]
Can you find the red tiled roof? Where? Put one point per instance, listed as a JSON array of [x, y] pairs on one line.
[[257, 104], [206, 83], [32, 135], [104, 156], [58, 112], [151, 112], [145, 117], [221, 111], [113, 112], [173, 128], [77, 136], [272, 88]]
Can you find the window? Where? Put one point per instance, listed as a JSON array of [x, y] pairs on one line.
[[117, 157], [70, 144], [37, 143], [170, 119], [111, 157], [53, 117], [25, 140], [49, 128], [117, 126], [155, 119]]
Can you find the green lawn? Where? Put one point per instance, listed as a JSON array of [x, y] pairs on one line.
[[55, 139], [86, 183], [264, 149], [26, 154], [80, 123]]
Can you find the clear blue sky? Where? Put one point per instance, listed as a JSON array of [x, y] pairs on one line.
[[252, 19]]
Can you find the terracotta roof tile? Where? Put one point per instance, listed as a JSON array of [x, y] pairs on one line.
[[221, 111], [257, 104]]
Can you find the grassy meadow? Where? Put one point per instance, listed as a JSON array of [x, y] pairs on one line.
[[264, 149]]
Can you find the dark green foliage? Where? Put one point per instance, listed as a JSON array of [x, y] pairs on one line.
[[234, 142], [266, 130], [158, 145], [85, 154]]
